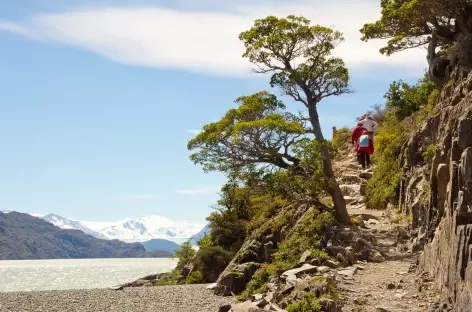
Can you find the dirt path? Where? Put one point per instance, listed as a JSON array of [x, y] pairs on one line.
[[389, 286]]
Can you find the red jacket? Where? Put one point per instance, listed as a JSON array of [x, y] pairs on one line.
[[357, 132], [369, 149]]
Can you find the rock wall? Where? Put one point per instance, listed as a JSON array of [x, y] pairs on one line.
[[437, 193]]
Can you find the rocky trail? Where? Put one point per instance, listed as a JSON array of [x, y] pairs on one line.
[[390, 283]]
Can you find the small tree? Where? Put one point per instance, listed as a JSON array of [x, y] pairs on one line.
[[299, 58], [185, 254]]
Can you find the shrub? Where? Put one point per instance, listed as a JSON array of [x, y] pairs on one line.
[[195, 278], [429, 153], [204, 241], [169, 278], [383, 187], [304, 237], [185, 254], [210, 261], [309, 303], [341, 139], [258, 282]]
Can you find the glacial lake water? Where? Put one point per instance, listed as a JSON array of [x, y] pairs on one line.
[[64, 274]]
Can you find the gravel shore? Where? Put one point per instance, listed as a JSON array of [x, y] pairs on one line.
[[188, 298]]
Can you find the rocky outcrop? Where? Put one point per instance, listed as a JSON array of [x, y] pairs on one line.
[[437, 193]]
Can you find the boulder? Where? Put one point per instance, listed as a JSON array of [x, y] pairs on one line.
[[306, 257], [349, 271], [328, 305], [234, 281], [225, 307], [332, 264], [376, 256], [304, 269], [363, 188], [366, 175]]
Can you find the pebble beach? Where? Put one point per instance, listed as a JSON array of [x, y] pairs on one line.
[[186, 298]]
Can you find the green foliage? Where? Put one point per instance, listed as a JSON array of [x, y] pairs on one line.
[[170, 278], [383, 186], [304, 237], [195, 278], [273, 44], [204, 241], [341, 139], [407, 23], [405, 99], [185, 254], [210, 261], [429, 153], [309, 303], [258, 283], [258, 131]]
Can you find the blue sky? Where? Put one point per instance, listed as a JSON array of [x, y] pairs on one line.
[[98, 99]]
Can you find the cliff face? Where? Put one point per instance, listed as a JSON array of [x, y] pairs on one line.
[[25, 237], [437, 193]]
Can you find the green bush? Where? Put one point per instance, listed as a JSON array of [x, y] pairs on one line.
[[341, 139], [185, 254], [258, 282], [309, 303], [304, 237], [210, 261], [429, 153], [383, 187], [205, 241], [195, 278]]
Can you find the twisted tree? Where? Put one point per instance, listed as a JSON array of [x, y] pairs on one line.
[[298, 57], [444, 25]]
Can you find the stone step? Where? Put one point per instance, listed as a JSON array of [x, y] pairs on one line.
[[350, 189]]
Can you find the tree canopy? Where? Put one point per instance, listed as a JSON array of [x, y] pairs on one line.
[[405, 99], [298, 56], [408, 23], [258, 131]]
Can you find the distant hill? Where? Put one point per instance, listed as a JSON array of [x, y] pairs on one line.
[[160, 244], [23, 236]]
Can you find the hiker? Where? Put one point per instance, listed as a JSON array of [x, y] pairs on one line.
[[365, 147], [369, 123], [357, 132], [334, 131]]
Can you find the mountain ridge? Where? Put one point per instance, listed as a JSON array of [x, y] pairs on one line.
[[23, 236]]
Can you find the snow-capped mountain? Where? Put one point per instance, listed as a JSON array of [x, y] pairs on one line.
[[146, 228], [68, 224], [131, 229], [195, 238]]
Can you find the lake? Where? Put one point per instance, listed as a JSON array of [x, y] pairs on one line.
[[63, 274]]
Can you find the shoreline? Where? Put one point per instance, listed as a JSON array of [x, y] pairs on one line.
[[177, 298]]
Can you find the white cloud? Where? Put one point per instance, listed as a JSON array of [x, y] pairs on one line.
[[136, 197], [199, 190], [204, 41]]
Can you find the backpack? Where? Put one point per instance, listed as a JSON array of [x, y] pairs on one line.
[[364, 141]]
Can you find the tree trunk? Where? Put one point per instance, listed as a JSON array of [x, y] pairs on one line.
[[333, 188]]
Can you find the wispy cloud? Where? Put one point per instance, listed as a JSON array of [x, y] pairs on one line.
[[201, 190], [136, 197], [203, 41]]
